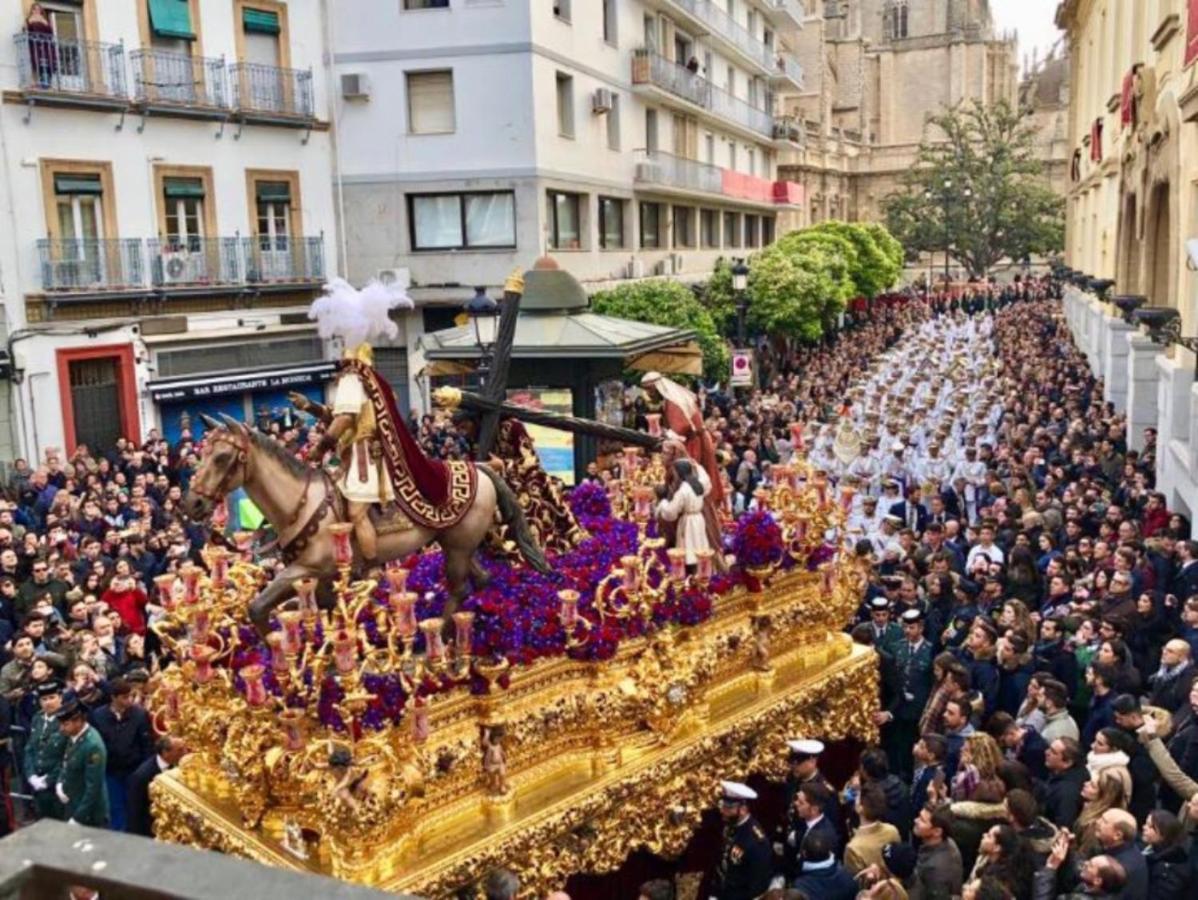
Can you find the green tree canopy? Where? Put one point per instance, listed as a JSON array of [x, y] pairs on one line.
[[872, 267], [673, 304], [978, 187]]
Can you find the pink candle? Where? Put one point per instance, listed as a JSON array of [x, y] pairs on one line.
[[397, 577], [569, 609], [278, 659], [165, 585], [244, 542], [654, 420], [170, 699], [631, 566], [642, 503], [677, 558], [847, 492], [630, 455], [434, 647], [345, 651], [201, 623], [293, 636], [220, 516], [801, 526], [305, 592], [201, 655], [463, 624], [821, 487], [403, 609], [218, 564], [255, 690], [295, 730], [191, 583], [343, 551], [705, 558], [796, 435], [420, 725]]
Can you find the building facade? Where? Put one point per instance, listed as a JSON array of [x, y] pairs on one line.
[[1132, 205], [166, 188], [876, 70], [1044, 94], [625, 138]]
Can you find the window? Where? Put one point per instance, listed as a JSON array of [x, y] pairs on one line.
[[709, 145], [273, 201], [609, 22], [183, 205], [613, 123], [767, 231], [611, 223], [430, 102], [565, 221], [751, 231], [477, 220], [730, 80], [752, 161], [732, 155], [565, 105], [561, 9], [650, 225], [426, 4], [651, 130], [684, 226], [709, 229], [78, 201], [170, 26], [731, 229], [651, 34], [261, 30]]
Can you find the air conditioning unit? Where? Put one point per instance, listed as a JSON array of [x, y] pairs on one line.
[[601, 101], [675, 263], [400, 278], [636, 268], [355, 86], [661, 267], [178, 267], [648, 171]]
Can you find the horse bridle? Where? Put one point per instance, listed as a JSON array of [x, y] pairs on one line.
[[241, 444]]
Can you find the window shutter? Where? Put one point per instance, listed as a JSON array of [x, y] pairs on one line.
[[177, 188], [272, 191], [430, 102], [171, 19], [260, 21], [77, 184]]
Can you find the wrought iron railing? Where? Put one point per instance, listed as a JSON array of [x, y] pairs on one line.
[[666, 170], [649, 67], [788, 128], [194, 262], [285, 259], [270, 90], [49, 64], [179, 79], [727, 28], [91, 264]]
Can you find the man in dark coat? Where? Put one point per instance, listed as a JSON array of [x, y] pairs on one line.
[[138, 820], [745, 865], [913, 666], [125, 728], [1144, 775], [1061, 794], [822, 877]]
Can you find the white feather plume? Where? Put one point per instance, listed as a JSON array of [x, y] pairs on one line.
[[358, 317]]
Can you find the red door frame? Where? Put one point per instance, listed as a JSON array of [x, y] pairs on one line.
[[126, 383]]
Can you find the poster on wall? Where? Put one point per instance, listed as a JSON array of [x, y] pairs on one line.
[[555, 449], [1192, 33]]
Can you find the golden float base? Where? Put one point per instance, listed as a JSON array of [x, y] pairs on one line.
[[604, 759]]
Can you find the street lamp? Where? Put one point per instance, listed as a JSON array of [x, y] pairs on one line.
[[484, 316], [740, 285]]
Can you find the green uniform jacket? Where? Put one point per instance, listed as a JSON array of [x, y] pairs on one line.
[[44, 749], [83, 781]]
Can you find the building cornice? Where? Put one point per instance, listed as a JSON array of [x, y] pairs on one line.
[[1169, 26]]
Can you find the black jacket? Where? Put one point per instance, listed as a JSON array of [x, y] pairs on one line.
[[137, 799], [1061, 796], [128, 740], [1170, 875]]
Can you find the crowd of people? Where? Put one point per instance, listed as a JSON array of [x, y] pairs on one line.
[[1033, 601]]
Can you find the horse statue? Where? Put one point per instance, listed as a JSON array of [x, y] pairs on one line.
[[301, 501]]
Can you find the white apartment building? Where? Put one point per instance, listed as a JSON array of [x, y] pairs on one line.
[[166, 190], [626, 138]]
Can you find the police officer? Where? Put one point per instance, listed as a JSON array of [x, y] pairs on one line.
[[745, 861], [44, 750], [913, 673], [887, 635], [81, 786]]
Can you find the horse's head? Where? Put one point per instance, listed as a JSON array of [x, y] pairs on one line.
[[223, 465]]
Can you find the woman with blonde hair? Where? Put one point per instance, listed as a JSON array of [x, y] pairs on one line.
[[1017, 617], [977, 775], [1102, 792]]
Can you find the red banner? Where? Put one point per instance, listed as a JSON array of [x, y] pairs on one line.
[[1192, 33]]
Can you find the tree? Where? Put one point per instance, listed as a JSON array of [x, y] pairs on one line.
[[872, 267], [672, 304], [978, 188]]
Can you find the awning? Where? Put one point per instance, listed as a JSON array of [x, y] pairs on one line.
[[169, 389], [686, 359], [273, 191], [171, 19], [441, 367], [183, 187], [77, 184], [260, 21]]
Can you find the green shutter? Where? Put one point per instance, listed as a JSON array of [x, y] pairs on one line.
[[260, 20], [171, 19], [273, 192], [183, 187], [77, 184]]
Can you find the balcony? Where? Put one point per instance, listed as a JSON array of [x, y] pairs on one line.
[[91, 265], [788, 130], [194, 263], [789, 15], [705, 17], [272, 94], [651, 69], [664, 171], [180, 83], [283, 261], [787, 71], [82, 73]]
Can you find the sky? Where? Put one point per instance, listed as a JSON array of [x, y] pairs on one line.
[[1032, 19]]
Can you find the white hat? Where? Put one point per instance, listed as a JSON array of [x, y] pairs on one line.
[[806, 747], [736, 792], [897, 445]]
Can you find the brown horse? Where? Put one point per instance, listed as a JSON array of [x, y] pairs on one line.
[[300, 503]]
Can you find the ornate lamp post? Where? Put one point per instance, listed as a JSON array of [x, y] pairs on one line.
[[740, 286], [484, 316]]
